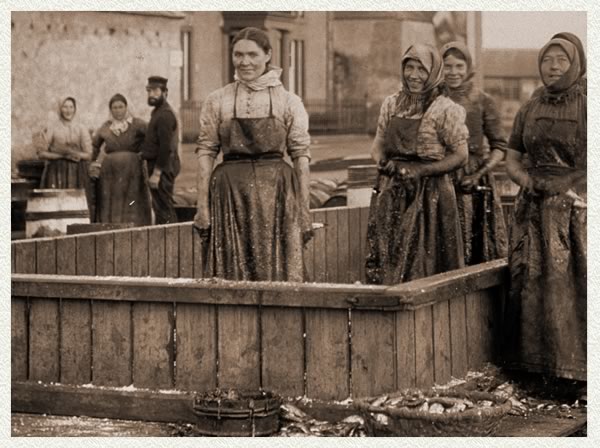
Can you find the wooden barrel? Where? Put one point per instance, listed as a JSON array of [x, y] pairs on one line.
[[50, 211]]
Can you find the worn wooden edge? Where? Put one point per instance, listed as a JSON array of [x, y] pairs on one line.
[[193, 291], [103, 402], [407, 296], [429, 290], [174, 406]]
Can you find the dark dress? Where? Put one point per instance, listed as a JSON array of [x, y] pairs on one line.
[[255, 198], [546, 308], [413, 229], [123, 191], [481, 217]]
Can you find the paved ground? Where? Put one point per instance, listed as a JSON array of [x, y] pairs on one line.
[[324, 147]]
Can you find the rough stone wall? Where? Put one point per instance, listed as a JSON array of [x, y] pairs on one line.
[[90, 56]]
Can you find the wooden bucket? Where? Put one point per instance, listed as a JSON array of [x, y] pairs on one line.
[[50, 211]]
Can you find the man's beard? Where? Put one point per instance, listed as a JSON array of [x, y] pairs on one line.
[[156, 101]]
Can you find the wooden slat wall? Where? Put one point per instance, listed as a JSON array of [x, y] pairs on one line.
[[319, 352], [336, 254]]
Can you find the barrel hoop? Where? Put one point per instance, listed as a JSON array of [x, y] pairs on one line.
[[40, 216]]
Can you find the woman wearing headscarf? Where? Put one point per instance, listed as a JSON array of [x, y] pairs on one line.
[[546, 307], [253, 210], [67, 150], [413, 228], [582, 61], [123, 196], [479, 206]]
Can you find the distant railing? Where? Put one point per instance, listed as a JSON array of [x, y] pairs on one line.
[[326, 117]]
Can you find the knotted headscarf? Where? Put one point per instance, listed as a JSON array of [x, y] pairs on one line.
[[268, 79], [61, 102], [416, 103], [572, 75], [580, 50]]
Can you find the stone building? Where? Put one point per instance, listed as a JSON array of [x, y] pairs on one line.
[[90, 56]]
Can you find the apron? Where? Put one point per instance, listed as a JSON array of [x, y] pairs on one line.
[[413, 230], [255, 207]]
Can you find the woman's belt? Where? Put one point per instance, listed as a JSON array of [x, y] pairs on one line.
[[259, 156]]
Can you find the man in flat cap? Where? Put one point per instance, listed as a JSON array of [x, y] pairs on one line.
[[160, 151]]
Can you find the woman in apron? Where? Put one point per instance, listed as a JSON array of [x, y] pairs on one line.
[[253, 210], [413, 228], [67, 150], [546, 309], [479, 206]]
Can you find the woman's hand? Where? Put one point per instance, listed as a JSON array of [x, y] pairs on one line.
[[468, 183], [202, 222], [73, 156], [409, 171], [94, 169]]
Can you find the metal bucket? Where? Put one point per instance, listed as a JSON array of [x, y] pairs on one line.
[[248, 414]]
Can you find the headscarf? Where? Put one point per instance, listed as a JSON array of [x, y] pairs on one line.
[[119, 126], [61, 102], [572, 75], [268, 79], [580, 50], [464, 50], [428, 56]]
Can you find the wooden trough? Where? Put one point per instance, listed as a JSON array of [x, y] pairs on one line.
[[118, 324]]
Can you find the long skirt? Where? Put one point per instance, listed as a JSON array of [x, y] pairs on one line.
[[545, 319], [63, 174], [481, 217], [124, 196], [413, 231], [255, 222]]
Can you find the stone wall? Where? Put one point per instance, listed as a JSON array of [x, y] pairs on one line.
[[90, 56]]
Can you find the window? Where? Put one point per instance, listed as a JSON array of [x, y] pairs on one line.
[[186, 87]]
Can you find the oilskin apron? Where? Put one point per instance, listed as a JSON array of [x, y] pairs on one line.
[[413, 229], [255, 213]]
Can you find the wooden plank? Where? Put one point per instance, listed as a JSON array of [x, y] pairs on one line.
[[331, 241], [112, 355], [123, 254], [199, 255], [458, 337], [66, 256], [343, 244], [46, 256], [25, 258], [139, 253], [172, 251], [153, 349], [105, 246], [442, 354], [238, 347], [196, 347], [424, 292], [102, 402], [19, 343], [301, 295], [355, 260], [86, 255], [283, 351], [186, 251], [424, 347], [320, 249], [373, 353], [364, 222], [475, 353], [44, 358], [488, 298], [327, 353], [76, 342], [156, 252], [406, 375]]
